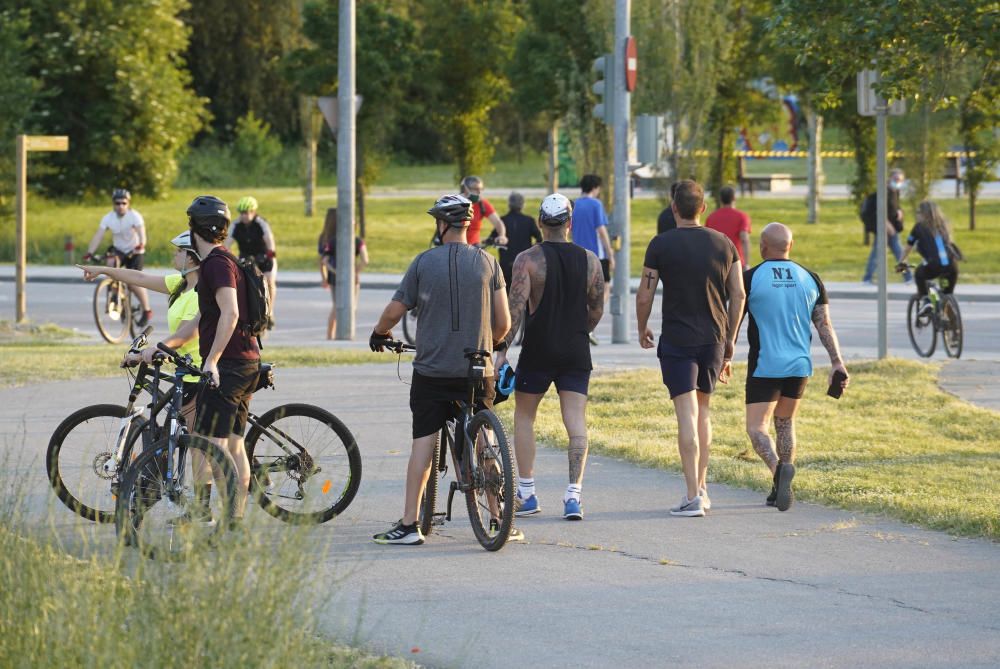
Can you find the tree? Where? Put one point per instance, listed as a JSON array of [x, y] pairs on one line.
[[117, 85], [979, 116], [470, 65], [235, 55], [19, 92]]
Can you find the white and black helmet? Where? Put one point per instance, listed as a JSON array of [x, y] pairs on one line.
[[184, 241], [555, 211], [455, 210]]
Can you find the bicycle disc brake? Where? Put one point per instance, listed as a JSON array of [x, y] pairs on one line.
[[99, 461]]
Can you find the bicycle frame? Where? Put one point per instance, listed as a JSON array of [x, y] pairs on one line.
[[465, 478], [142, 382]]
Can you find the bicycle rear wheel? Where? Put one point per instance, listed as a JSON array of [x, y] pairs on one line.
[[80, 459], [306, 466], [112, 312], [921, 327], [490, 499], [170, 521], [425, 512], [410, 327], [951, 326]]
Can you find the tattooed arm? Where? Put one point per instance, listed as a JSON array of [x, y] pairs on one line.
[[644, 305], [595, 292], [821, 319], [520, 287]]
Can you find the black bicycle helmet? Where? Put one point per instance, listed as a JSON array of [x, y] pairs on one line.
[[121, 194], [555, 211], [455, 210], [210, 215]]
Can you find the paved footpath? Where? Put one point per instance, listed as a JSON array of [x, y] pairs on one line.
[[629, 586]]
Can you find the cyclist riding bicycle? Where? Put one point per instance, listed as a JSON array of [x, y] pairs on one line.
[[932, 238], [128, 242], [182, 305], [459, 291], [472, 189], [256, 241]]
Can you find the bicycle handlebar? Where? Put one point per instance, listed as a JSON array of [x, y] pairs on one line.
[[397, 346], [182, 362]]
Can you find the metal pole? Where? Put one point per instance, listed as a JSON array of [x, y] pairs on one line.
[[345, 172], [20, 235], [620, 326], [880, 238]]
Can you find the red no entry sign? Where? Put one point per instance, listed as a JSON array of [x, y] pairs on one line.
[[631, 64]]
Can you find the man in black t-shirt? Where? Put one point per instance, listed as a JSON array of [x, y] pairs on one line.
[[703, 299], [563, 285], [522, 233], [666, 221]]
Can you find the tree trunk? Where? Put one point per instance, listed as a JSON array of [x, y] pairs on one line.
[[972, 207], [815, 177], [553, 172], [520, 140]]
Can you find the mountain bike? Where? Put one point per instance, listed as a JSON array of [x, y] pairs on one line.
[[305, 463], [116, 312], [170, 504], [927, 316], [481, 460]]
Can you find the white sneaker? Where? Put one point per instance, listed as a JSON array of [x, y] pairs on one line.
[[706, 503]]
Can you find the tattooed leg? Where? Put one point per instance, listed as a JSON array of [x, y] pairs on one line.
[[577, 458], [784, 428], [757, 429]]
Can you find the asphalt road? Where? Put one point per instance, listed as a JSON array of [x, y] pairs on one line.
[[302, 312]]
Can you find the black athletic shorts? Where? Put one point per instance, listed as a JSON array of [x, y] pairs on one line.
[[769, 390], [223, 411], [686, 368], [606, 269], [134, 261], [432, 400], [537, 382]]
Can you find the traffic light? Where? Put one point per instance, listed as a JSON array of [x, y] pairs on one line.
[[604, 87]]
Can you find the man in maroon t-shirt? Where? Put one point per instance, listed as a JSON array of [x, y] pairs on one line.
[[228, 352], [733, 223], [472, 188]]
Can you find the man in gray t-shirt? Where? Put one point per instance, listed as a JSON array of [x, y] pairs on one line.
[[459, 293]]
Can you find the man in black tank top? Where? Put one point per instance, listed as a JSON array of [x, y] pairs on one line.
[[558, 289]]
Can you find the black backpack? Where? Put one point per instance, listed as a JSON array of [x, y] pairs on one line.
[[869, 213], [258, 316]]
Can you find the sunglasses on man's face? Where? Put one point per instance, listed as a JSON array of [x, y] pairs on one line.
[[121, 203]]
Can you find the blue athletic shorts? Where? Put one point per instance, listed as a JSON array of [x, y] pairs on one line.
[[686, 368], [537, 382]]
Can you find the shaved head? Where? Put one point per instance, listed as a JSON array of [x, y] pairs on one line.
[[775, 241]]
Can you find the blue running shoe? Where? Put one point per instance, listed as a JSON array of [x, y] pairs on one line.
[[572, 510], [527, 507]]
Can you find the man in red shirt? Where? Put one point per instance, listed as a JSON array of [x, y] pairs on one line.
[[472, 188], [733, 223]]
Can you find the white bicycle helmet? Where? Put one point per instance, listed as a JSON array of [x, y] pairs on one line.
[[184, 241], [555, 211]]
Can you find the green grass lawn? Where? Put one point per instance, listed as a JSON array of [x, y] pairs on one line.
[[398, 229], [36, 362], [895, 444]]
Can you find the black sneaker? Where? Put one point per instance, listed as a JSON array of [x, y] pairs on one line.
[[145, 318], [401, 534], [783, 500], [773, 495]]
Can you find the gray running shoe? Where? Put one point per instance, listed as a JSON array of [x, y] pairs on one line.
[[706, 503], [691, 508]]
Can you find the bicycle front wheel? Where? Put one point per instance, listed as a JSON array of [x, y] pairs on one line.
[[410, 327], [170, 517], [305, 463], [920, 325], [112, 312], [81, 459], [490, 498], [951, 326]]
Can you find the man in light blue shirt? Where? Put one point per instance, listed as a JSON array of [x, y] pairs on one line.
[[782, 299], [590, 229]]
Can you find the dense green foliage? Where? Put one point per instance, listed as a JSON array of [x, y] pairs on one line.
[[18, 91]]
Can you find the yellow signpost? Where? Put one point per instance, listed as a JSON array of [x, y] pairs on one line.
[[27, 143]]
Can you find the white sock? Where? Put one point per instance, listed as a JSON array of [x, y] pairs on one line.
[[573, 492], [526, 488]]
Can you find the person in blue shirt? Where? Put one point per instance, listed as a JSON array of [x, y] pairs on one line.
[[782, 299], [932, 238], [590, 229]]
